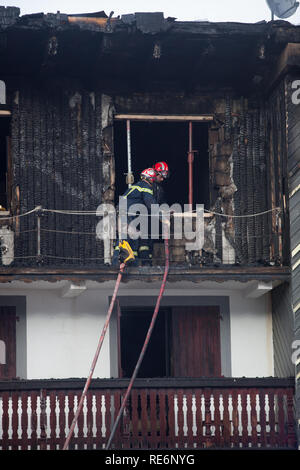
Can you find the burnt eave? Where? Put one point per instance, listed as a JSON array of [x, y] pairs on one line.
[[111, 51]]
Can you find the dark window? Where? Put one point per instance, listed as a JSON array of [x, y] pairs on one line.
[[152, 142]]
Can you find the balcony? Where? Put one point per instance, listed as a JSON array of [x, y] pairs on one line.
[[161, 414]]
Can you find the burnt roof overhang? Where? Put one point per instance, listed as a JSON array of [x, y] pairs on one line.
[[143, 50]]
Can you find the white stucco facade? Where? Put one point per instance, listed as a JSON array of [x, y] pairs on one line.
[[61, 334]]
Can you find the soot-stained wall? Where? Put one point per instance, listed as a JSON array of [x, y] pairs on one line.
[[56, 163]]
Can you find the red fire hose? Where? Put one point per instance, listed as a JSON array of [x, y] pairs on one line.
[[88, 381], [107, 320], [156, 310]]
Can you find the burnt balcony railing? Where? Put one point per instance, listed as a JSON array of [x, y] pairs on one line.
[[160, 414], [45, 238]]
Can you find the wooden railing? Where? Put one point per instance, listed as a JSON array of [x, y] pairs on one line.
[[160, 414]]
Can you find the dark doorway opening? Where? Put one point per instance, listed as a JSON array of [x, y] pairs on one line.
[[164, 141], [134, 324], [4, 161], [185, 342]]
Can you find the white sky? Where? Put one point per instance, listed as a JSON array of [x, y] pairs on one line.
[[246, 11]]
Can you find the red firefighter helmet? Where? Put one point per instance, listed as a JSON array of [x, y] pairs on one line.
[[149, 174], [162, 168]]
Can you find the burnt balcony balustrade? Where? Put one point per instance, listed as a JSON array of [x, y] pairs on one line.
[[69, 239]]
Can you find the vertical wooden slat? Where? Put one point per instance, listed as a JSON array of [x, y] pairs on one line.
[[89, 420], [171, 403], [272, 433], [135, 422], [34, 439], [207, 395], [180, 419], [43, 420], [189, 418], [291, 437], [199, 423], [24, 421], [99, 437], [52, 441], [262, 419], [282, 438], [235, 418], [61, 397], [244, 418], [144, 419], [226, 419], [14, 420], [5, 420], [253, 418], [80, 423], [71, 405], [153, 424], [117, 437], [217, 418], [163, 419], [107, 420]]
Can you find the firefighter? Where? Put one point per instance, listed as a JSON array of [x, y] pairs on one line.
[[139, 193], [162, 171]]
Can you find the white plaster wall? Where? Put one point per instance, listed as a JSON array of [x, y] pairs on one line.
[[62, 334]]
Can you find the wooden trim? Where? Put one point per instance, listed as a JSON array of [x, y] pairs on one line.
[[4, 113], [219, 382], [148, 274], [166, 117]]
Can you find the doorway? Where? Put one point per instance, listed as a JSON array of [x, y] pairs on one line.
[[152, 142], [185, 342]]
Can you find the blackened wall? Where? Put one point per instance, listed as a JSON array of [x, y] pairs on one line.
[[56, 163]]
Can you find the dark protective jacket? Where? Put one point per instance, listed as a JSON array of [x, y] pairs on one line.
[[140, 193], [159, 193]]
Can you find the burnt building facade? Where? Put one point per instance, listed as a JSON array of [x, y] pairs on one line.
[[221, 97]]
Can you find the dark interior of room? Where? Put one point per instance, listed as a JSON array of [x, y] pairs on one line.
[[164, 141], [134, 325]]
